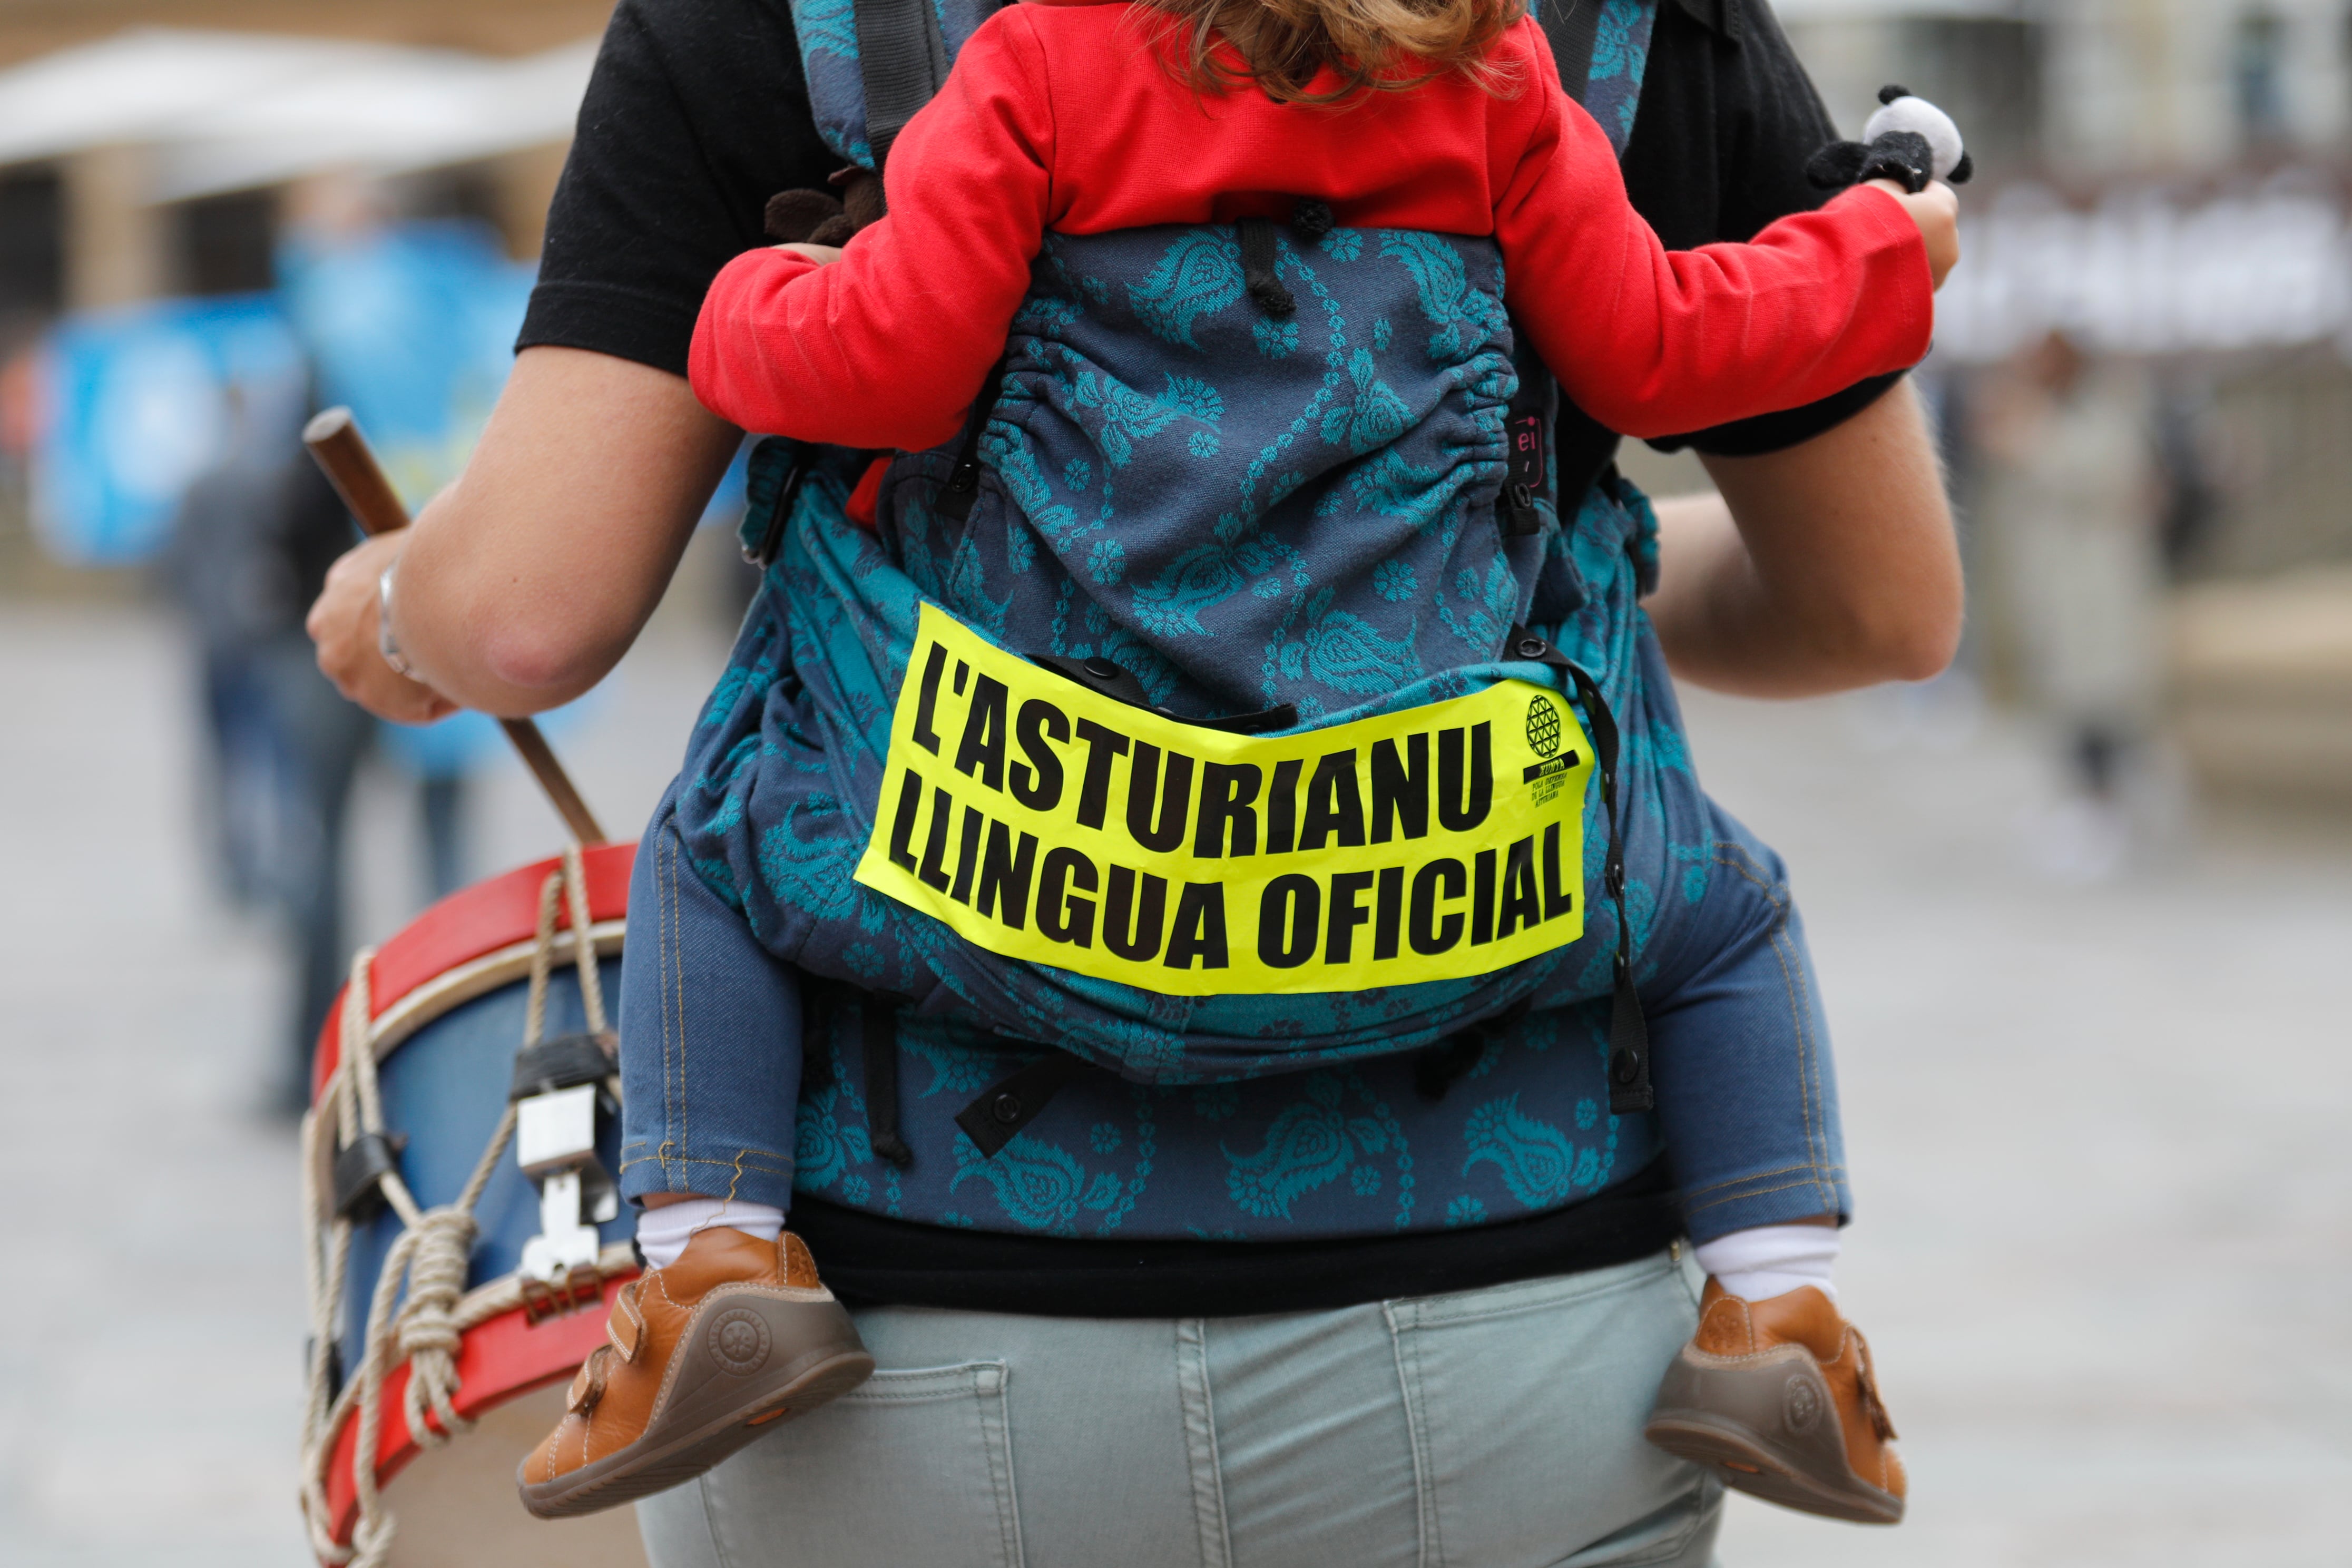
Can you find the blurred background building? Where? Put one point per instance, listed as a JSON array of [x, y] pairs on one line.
[[217, 214], [2164, 187]]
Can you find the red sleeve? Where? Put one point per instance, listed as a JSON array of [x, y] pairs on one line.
[[787, 347], [1651, 341]]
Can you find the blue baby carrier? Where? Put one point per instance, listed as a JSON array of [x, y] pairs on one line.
[[1265, 478]]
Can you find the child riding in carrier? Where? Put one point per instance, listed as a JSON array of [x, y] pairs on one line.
[[1175, 685]]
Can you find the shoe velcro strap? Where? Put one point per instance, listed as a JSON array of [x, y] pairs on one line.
[[1866, 1385], [588, 1382], [626, 1325]]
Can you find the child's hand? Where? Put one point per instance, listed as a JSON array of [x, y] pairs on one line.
[[826, 254], [1937, 211]]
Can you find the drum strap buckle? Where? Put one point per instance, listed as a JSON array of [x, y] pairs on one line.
[[565, 1102], [556, 1132]]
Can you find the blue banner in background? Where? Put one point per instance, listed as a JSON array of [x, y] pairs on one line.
[[414, 328], [137, 404]]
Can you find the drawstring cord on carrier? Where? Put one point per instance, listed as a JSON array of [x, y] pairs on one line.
[[430, 1254]]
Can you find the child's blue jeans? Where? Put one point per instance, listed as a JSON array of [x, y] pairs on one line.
[[712, 1047]]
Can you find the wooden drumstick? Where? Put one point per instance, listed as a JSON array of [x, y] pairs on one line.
[[334, 439]]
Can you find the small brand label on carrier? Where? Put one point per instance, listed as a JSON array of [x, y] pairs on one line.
[[1046, 822], [1527, 459]]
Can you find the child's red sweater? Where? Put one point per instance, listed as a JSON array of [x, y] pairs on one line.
[[1058, 116]]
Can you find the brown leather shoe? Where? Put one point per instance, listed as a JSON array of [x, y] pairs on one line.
[[1779, 1399], [703, 1356]]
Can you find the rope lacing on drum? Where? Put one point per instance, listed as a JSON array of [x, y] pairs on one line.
[[430, 1255]]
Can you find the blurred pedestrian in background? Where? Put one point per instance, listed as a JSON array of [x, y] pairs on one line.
[[2073, 511], [250, 550]]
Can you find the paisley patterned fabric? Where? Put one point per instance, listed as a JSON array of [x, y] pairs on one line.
[[827, 30], [1244, 510], [1621, 53], [781, 786], [1353, 1149], [1238, 542]]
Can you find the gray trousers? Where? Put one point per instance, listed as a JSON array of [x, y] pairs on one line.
[[1489, 1430]]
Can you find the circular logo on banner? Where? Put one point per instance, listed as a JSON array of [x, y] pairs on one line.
[[738, 1341], [1543, 726]]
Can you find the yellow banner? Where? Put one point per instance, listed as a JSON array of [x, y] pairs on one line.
[[1044, 821]]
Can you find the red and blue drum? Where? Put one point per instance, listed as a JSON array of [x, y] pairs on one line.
[[448, 1003]]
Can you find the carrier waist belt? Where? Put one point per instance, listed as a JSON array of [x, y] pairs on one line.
[[1046, 822]]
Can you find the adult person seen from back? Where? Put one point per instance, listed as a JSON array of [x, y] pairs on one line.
[[1488, 1419]]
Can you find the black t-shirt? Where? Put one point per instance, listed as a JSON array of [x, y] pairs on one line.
[[697, 113]]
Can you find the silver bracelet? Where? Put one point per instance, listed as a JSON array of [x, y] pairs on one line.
[[384, 643]]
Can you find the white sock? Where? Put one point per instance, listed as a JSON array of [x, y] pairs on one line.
[[663, 1233], [1772, 1260]]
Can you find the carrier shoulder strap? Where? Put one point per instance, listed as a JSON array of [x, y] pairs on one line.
[[902, 60], [1574, 27], [1630, 1088]]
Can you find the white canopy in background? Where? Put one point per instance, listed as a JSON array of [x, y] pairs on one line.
[[229, 110]]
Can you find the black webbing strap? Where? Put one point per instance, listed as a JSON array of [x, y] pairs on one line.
[[956, 496], [566, 1061], [1629, 1032], [903, 59], [1442, 1066], [880, 1026], [1574, 27], [1261, 255], [780, 513], [1014, 1100], [360, 1170], [1526, 475]]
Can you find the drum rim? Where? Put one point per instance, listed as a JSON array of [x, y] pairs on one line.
[[395, 1024], [475, 942], [470, 925], [582, 1330]]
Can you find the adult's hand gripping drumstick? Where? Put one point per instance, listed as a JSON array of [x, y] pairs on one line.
[[334, 439]]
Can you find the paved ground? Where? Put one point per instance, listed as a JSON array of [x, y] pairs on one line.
[[2097, 1134]]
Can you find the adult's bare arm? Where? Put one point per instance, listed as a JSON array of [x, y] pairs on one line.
[[523, 584], [1824, 567]]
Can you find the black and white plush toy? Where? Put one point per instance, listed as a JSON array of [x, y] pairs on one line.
[[1909, 141]]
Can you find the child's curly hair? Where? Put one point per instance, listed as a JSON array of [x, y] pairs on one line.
[[1375, 46]]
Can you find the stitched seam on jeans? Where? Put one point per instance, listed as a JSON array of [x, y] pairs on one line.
[[1775, 892], [719, 1554], [735, 1181], [1761, 1193], [739, 1164], [1817, 1119], [996, 1436], [921, 1385], [677, 849], [1198, 1402], [664, 922], [1430, 1547], [1760, 1175]]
